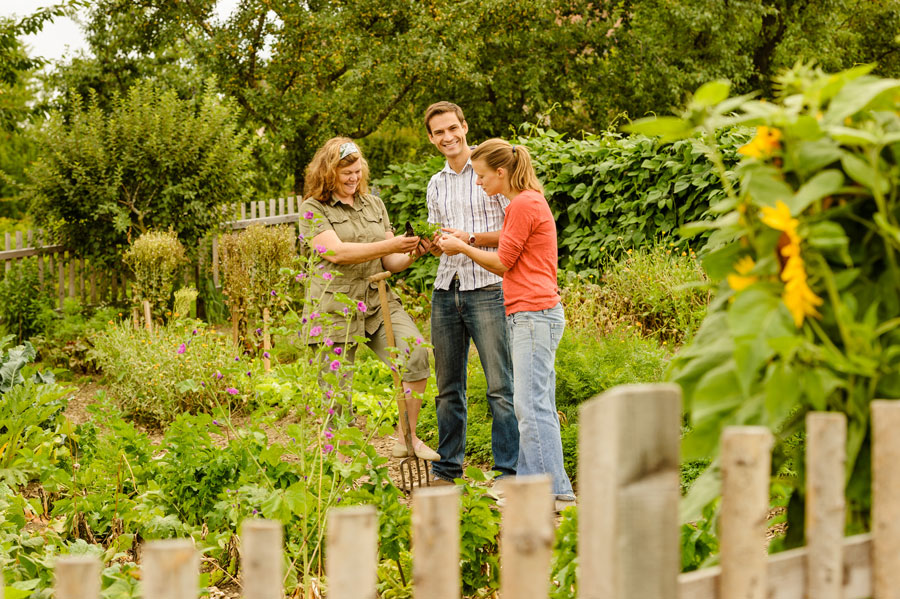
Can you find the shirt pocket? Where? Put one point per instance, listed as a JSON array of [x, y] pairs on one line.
[[343, 226]]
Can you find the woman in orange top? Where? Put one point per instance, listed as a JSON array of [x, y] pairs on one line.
[[526, 259]]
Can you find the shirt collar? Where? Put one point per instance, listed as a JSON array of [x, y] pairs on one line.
[[358, 202], [448, 169]]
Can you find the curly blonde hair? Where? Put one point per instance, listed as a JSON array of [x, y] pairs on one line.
[[321, 174]]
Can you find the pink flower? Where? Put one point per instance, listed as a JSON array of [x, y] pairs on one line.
[[231, 391], [327, 448], [321, 249], [314, 315], [338, 351], [335, 365], [328, 434], [218, 375], [328, 342], [361, 306], [266, 355], [345, 310], [419, 341], [327, 276], [300, 276], [181, 348], [308, 215], [315, 331]]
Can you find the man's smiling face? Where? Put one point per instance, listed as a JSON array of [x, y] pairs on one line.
[[448, 134]]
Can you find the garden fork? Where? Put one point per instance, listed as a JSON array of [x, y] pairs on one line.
[[412, 460]]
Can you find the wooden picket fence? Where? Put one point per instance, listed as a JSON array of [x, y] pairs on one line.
[[628, 526], [66, 275]]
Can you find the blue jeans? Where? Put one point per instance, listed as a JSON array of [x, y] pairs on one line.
[[457, 317], [534, 337]]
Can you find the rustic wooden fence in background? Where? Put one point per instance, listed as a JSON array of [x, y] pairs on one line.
[[66, 275], [628, 527]]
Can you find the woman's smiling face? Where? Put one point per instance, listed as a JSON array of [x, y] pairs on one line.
[[348, 178]]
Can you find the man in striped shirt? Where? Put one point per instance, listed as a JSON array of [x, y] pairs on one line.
[[467, 303]]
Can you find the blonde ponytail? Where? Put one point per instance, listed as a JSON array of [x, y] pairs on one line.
[[498, 153]]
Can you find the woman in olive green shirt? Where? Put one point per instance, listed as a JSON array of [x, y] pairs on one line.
[[351, 229]]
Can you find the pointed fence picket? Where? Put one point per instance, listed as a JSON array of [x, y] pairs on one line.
[[628, 527]]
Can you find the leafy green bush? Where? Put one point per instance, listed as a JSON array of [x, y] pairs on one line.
[[662, 294], [31, 407], [68, 340], [153, 162], [154, 259], [183, 366], [587, 365], [606, 191], [25, 309]]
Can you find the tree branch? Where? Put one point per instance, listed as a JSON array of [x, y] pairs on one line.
[[384, 113]]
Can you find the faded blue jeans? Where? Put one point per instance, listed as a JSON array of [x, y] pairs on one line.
[[534, 337], [456, 318]]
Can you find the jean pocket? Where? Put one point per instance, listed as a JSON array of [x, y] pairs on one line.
[[556, 332]]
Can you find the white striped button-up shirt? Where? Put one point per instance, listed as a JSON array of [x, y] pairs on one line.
[[454, 200]]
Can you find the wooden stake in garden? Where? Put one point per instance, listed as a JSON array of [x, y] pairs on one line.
[[267, 344], [262, 559], [352, 552], [76, 577], [148, 320], [526, 538], [435, 543], [170, 570]]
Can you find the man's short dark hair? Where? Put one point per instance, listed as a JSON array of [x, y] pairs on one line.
[[440, 108]]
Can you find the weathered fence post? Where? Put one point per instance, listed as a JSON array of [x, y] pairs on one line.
[[76, 577], [746, 465], [267, 342], [885, 499], [170, 569], [148, 319], [435, 543], [261, 559], [826, 457], [352, 552], [628, 530], [526, 538]]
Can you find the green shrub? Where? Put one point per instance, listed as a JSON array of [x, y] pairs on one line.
[[605, 191], [587, 364], [25, 309], [154, 259], [152, 162], [155, 376], [184, 299], [658, 291], [68, 341]]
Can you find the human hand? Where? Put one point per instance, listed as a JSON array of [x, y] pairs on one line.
[[405, 245], [452, 245], [457, 233]]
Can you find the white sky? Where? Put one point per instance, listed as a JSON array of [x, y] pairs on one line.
[[63, 37]]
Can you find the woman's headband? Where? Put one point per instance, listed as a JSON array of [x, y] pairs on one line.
[[348, 148]]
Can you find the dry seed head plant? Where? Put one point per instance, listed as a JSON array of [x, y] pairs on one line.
[[154, 259]]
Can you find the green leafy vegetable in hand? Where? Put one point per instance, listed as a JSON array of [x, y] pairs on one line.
[[423, 229]]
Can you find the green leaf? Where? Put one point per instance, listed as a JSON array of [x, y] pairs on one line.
[[711, 93], [782, 393], [766, 186], [856, 96], [669, 128], [852, 137], [822, 185], [12, 593], [862, 172]]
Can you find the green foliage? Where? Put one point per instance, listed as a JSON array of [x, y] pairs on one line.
[[152, 162], [154, 259], [608, 193], [25, 308], [662, 294], [805, 253], [184, 300], [68, 340], [564, 560], [182, 366], [31, 408]]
